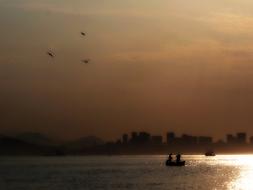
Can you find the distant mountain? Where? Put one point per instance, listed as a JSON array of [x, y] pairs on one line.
[[35, 138], [85, 142], [90, 141], [13, 146], [10, 146], [38, 144]]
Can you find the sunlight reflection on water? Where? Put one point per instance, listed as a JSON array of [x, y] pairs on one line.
[[244, 181], [232, 172]]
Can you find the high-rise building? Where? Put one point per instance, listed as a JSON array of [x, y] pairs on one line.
[[170, 137], [157, 140], [143, 137], [231, 139], [205, 140], [134, 137], [241, 138], [251, 140], [188, 139], [125, 138]]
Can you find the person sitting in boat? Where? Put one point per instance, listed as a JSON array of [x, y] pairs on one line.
[[178, 156], [170, 157]]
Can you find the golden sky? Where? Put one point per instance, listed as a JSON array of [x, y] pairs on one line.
[[157, 65]]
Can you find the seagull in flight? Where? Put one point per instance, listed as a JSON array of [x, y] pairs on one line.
[[86, 61], [51, 54]]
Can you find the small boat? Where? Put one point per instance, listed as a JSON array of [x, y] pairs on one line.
[[170, 163], [210, 153]]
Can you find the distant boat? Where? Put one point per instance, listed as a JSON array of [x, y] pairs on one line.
[[210, 153], [170, 163]]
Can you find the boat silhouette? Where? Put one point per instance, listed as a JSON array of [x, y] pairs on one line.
[[171, 163], [210, 153]]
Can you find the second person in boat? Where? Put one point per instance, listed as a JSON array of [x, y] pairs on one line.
[[178, 156]]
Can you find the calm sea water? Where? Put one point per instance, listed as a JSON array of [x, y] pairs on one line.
[[125, 172]]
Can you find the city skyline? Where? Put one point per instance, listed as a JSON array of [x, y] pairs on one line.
[[173, 138], [167, 138]]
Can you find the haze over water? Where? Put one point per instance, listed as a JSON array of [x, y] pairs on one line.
[[232, 172]]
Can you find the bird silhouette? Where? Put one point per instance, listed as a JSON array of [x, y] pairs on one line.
[[83, 34], [51, 54], [86, 61]]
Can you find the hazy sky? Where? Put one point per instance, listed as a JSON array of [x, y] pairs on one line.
[[157, 65]]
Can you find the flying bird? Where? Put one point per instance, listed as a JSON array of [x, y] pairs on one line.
[[86, 61], [83, 34], [51, 54]]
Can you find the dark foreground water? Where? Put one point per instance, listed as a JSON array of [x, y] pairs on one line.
[[125, 172]]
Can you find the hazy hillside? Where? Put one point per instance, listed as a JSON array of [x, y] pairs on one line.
[[35, 138]]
